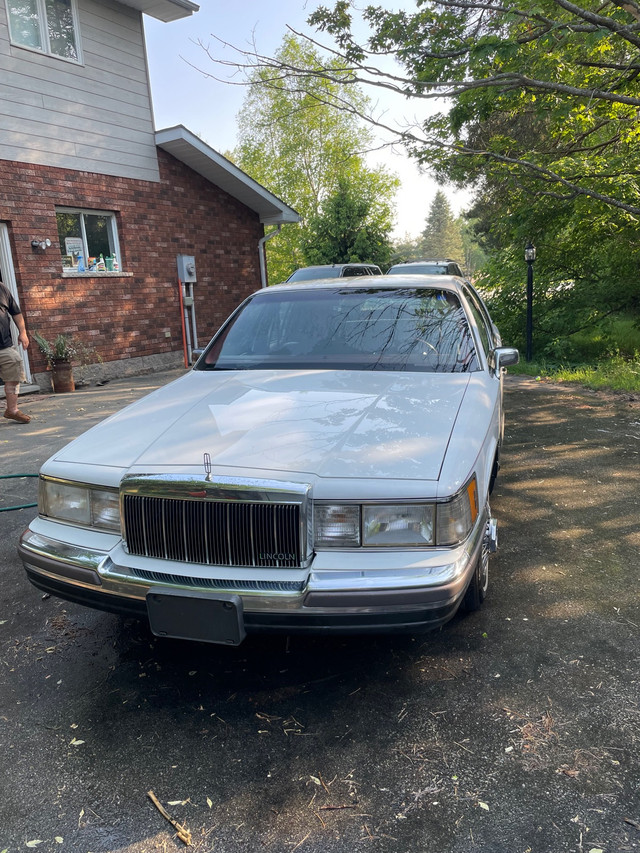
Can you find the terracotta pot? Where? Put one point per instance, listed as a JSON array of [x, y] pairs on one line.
[[62, 377]]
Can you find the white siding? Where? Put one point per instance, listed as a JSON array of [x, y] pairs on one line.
[[95, 116]]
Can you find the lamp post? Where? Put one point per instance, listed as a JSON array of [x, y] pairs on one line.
[[529, 256]]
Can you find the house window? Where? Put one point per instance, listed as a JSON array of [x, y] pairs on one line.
[[88, 240], [46, 25]]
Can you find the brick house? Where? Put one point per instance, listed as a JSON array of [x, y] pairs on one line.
[[76, 184]]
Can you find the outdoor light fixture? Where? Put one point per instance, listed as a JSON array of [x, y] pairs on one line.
[[41, 244], [529, 256]]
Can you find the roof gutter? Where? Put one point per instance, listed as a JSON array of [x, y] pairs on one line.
[[261, 251], [163, 10]]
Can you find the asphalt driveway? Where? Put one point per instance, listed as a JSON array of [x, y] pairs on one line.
[[516, 728]]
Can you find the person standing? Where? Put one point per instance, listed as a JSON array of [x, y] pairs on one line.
[[11, 366]]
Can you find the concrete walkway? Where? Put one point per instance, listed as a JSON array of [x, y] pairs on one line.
[[56, 419]]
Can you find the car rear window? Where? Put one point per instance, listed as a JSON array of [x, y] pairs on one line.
[[351, 271], [405, 329], [310, 273], [420, 269]]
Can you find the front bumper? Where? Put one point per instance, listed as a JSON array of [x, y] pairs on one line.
[[342, 591]]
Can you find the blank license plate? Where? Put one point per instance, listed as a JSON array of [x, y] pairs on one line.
[[202, 616]]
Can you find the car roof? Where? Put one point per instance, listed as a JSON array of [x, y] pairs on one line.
[[337, 266], [432, 261], [319, 269], [356, 264], [443, 261], [437, 282]]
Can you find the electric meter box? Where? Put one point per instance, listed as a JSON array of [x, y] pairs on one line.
[[186, 268]]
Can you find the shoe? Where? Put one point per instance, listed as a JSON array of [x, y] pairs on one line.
[[18, 416]]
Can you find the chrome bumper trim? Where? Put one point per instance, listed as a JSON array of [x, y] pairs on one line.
[[61, 552], [329, 592]]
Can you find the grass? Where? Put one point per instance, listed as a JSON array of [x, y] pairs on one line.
[[621, 333], [614, 374]]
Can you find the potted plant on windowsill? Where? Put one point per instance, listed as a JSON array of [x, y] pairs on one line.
[[60, 356]]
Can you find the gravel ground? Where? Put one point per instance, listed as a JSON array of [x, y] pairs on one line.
[[514, 729]]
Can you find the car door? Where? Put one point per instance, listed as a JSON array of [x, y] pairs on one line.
[[489, 339]]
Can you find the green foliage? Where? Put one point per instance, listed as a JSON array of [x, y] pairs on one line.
[[65, 348], [536, 108], [580, 291], [406, 249], [456, 239], [474, 255], [295, 140], [442, 236], [541, 120], [345, 231], [615, 374]]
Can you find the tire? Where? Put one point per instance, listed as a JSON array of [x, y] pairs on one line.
[[477, 589]]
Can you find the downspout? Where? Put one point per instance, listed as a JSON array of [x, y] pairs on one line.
[[263, 265], [184, 326]]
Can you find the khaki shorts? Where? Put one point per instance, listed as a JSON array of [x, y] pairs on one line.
[[11, 365]]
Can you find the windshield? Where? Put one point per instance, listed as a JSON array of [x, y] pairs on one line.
[[410, 329]]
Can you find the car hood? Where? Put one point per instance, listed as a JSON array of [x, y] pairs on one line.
[[356, 424]]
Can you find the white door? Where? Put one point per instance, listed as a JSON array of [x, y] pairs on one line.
[[9, 280]]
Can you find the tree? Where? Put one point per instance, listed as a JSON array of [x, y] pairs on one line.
[[513, 80], [538, 112], [344, 231], [406, 249], [441, 237], [474, 255], [294, 141], [586, 270]]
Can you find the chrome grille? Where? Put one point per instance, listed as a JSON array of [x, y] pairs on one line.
[[220, 533]]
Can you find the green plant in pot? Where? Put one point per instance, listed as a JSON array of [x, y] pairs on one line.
[[60, 356]]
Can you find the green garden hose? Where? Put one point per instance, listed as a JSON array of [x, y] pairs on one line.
[[16, 476]]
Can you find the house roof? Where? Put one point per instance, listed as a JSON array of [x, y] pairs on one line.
[[197, 155], [163, 10]]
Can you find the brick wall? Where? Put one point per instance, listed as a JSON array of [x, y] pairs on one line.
[[128, 316]]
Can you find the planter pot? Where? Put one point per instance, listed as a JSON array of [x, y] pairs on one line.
[[62, 377]]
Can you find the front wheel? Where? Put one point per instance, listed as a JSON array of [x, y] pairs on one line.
[[477, 589]]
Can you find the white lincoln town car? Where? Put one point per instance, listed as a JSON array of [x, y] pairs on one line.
[[326, 466]]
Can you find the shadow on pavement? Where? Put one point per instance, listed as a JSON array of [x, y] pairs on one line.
[[512, 729]]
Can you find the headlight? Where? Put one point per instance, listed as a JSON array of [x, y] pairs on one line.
[[399, 524], [83, 505], [407, 525], [337, 525], [457, 517]]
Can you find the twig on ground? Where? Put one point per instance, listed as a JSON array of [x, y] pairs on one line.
[[324, 825], [335, 808], [322, 782], [183, 833], [301, 842]]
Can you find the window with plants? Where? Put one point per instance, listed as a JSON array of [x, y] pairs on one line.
[[88, 240]]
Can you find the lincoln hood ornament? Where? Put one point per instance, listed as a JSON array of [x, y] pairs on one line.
[[207, 467]]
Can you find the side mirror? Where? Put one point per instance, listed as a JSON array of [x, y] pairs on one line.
[[503, 357]]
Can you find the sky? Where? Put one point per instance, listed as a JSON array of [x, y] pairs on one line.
[[184, 95]]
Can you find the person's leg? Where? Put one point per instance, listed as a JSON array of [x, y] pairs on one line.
[[12, 371], [11, 392]]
